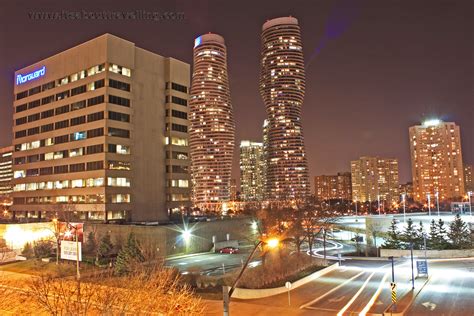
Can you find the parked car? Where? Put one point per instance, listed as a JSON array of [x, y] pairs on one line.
[[230, 250]]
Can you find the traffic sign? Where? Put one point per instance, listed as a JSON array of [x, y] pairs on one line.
[[393, 286], [422, 267]]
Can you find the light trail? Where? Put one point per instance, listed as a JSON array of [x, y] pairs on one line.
[[330, 291], [343, 310], [374, 297]]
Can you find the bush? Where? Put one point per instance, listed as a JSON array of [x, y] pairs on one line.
[[28, 251], [43, 249], [277, 271]]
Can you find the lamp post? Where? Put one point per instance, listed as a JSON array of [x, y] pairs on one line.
[[378, 203], [404, 208], [429, 205], [356, 208], [470, 206], [272, 243], [437, 201], [412, 271]]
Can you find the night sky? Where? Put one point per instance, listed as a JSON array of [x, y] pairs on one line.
[[374, 68]]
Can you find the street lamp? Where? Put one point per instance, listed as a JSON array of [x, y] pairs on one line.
[[470, 206], [378, 203], [437, 201], [271, 243], [429, 205], [404, 208]]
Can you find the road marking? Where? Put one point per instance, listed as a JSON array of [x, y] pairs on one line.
[[331, 291], [334, 300], [429, 305], [374, 297], [343, 310]]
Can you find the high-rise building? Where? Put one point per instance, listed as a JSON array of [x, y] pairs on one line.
[[282, 87], [251, 171], [375, 179], [101, 129], [333, 186], [6, 173], [407, 189], [468, 181], [436, 160], [266, 188], [212, 124], [234, 193]]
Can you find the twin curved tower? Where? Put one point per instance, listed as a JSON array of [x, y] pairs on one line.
[[212, 132], [282, 87]]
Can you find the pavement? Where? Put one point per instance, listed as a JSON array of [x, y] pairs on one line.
[[363, 288], [209, 263], [450, 290]]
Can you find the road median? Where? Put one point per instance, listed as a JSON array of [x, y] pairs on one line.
[[245, 294], [406, 300]]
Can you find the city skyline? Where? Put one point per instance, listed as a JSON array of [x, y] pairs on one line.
[[421, 79]]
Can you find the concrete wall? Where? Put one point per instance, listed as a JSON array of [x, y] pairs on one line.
[[167, 240], [429, 253]]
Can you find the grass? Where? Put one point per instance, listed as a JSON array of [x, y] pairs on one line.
[[38, 267]]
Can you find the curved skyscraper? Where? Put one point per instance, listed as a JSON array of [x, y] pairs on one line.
[[212, 124], [282, 87]]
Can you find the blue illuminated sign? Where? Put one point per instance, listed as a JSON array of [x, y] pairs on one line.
[[197, 41], [20, 79]]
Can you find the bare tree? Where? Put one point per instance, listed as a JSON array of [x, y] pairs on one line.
[[145, 290]]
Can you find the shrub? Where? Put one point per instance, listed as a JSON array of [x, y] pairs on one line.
[[28, 251], [43, 249]]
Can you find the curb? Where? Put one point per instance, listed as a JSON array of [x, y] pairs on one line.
[[387, 311], [186, 256], [245, 294]]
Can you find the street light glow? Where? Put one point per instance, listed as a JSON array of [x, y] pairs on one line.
[[186, 235], [273, 242]]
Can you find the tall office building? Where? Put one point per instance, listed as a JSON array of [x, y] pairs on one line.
[[251, 171], [436, 160], [101, 129], [407, 189], [212, 124], [282, 87], [234, 192], [6, 173], [333, 186], [374, 179], [468, 181]]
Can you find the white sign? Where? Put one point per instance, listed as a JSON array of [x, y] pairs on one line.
[[69, 250], [288, 285]]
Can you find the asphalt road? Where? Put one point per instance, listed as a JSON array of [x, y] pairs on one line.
[[209, 263], [449, 291], [362, 287]]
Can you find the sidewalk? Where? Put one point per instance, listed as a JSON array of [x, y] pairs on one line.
[[407, 299], [215, 308]]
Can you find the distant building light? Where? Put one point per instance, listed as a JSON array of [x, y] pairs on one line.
[[433, 122]]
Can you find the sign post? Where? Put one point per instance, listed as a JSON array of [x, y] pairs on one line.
[[393, 287], [288, 286]]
